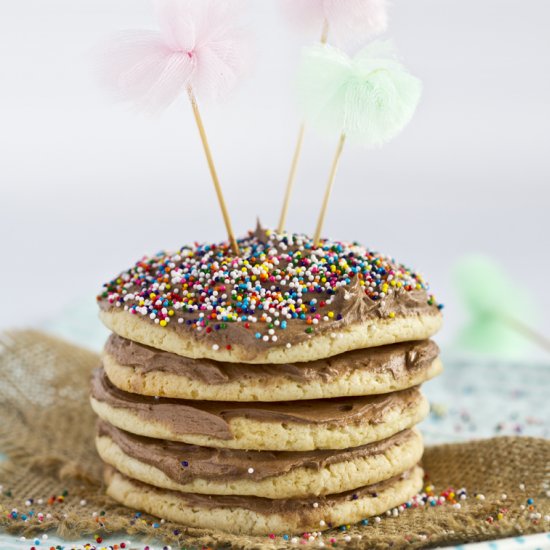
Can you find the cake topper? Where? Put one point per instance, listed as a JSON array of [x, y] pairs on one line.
[[366, 99], [200, 51], [500, 312], [349, 22]]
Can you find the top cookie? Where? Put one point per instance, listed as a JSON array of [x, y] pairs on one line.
[[283, 299]]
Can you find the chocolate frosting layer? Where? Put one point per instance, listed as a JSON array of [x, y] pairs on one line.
[[183, 463], [398, 359], [212, 417], [281, 289], [305, 507]]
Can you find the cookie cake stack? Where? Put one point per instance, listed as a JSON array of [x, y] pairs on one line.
[[272, 392]]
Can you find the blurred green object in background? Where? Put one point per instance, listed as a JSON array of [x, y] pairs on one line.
[[501, 312]]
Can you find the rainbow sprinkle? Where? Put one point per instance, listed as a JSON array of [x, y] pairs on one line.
[[279, 279], [427, 499]]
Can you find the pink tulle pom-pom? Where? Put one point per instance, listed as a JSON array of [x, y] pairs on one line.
[[350, 22], [200, 45]]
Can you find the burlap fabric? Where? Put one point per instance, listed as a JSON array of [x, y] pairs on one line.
[[47, 429]]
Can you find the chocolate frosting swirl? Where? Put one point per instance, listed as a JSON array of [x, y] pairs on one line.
[[398, 359], [305, 507], [212, 417], [183, 463]]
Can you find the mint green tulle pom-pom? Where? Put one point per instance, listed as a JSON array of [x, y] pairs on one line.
[[369, 97], [501, 313]]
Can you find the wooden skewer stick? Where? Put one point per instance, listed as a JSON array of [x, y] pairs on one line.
[[324, 32], [296, 156], [213, 173], [527, 332], [291, 178], [328, 190]]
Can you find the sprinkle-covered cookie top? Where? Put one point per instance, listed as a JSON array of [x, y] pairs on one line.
[[282, 289]]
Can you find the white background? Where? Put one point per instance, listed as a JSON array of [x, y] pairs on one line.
[[87, 186]]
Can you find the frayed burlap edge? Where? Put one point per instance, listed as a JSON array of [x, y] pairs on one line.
[[47, 431]]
